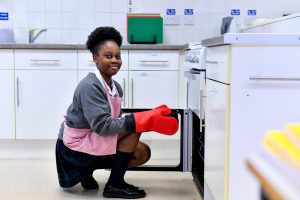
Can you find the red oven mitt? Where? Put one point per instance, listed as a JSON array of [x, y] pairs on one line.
[[156, 120]]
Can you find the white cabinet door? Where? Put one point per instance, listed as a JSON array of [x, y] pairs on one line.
[[7, 59], [42, 98], [121, 77], [7, 104], [265, 94], [216, 134], [149, 89]]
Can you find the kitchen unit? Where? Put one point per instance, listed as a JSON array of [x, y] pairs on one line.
[[252, 85], [45, 81], [42, 79]]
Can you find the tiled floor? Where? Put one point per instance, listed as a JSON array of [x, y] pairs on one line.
[[36, 179]]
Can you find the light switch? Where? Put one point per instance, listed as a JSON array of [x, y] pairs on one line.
[[189, 20], [172, 19]]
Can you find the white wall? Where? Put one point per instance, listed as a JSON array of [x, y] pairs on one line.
[[70, 21]]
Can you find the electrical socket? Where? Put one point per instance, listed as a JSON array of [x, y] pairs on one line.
[[172, 19]]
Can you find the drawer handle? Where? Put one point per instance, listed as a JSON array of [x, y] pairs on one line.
[[154, 61], [211, 62], [273, 78], [56, 61]]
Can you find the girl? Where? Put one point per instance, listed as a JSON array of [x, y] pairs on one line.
[[95, 136]]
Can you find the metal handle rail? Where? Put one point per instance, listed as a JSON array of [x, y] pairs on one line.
[[273, 78]]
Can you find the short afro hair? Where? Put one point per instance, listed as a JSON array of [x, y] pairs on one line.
[[103, 34]]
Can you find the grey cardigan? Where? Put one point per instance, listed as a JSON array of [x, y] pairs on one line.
[[90, 109]]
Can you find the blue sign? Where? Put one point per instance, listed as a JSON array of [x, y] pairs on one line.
[[188, 11], [235, 12], [3, 16], [171, 11], [251, 12]]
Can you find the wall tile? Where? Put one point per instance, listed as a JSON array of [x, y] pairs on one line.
[[69, 20], [155, 6], [215, 22], [200, 34], [103, 6], [36, 19], [20, 19], [102, 19], [118, 20], [53, 36], [53, 20], [83, 35], [201, 6], [53, 5], [123, 33], [119, 6], [136, 7], [86, 20], [20, 5], [217, 5], [21, 35], [86, 5], [37, 5], [202, 21], [184, 36], [69, 36], [69, 5], [170, 37]]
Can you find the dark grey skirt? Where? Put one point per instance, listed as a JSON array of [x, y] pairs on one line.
[[73, 166]]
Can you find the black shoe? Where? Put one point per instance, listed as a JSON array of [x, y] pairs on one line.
[[127, 192], [89, 183]]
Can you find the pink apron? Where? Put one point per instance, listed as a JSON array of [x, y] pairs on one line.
[[87, 141]]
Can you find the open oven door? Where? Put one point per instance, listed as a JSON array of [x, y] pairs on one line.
[[168, 153]]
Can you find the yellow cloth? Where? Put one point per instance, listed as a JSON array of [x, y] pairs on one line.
[[282, 146]]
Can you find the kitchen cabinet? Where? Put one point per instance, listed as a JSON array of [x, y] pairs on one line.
[[45, 82], [7, 94], [7, 104], [250, 88], [148, 89], [153, 78]]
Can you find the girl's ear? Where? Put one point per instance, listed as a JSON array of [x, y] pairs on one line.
[[95, 57]]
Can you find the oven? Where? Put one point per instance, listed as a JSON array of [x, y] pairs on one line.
[[195, 75]]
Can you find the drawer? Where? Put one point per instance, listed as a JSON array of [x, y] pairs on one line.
[[266, 64], [46, 59], [217, 63], [7, 59], [153, 60], [85, 60]]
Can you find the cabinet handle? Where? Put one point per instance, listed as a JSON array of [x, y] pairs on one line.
[[211, 62], [131, 92], [18, 92], [273, 78], [154, 61], [124, 93], [56, 61], [187, 96]]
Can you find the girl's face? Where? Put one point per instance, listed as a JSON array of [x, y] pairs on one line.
[[108, 59]]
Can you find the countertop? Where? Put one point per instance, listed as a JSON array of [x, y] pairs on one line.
[[253, 39], [82, 47]]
